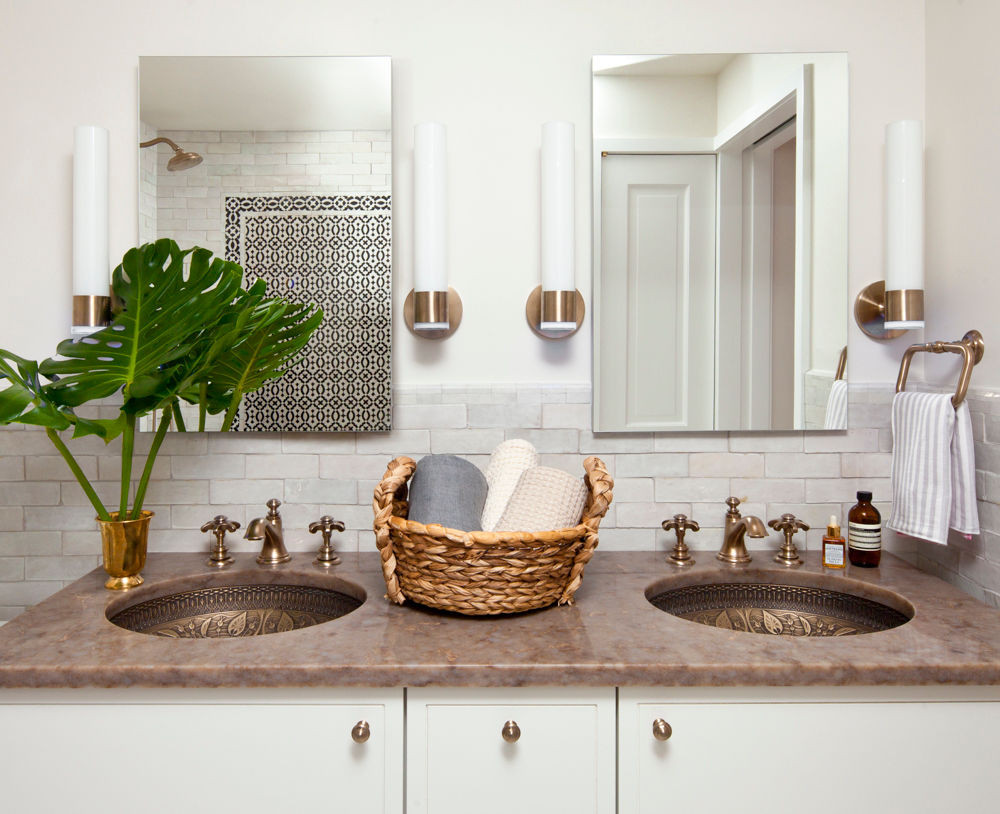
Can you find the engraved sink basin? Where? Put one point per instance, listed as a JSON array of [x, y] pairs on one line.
[[231, 609], [805, 605]]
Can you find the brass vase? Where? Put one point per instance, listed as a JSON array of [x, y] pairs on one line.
[[124, 544]]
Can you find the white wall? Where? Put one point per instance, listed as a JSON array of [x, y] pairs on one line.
[[651, 107], [963, 176], [493, 72]]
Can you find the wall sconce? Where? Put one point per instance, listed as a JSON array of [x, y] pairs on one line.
[[432, 309], [555, 309], [884, 310], [91, 282]]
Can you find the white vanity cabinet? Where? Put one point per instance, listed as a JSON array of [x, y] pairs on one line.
[[186, 750], [558, 755], [821, 750]]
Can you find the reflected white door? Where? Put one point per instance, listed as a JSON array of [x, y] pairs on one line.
[[658, 280]]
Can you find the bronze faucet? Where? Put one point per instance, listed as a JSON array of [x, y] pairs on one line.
[[734, 549], [268, 529]]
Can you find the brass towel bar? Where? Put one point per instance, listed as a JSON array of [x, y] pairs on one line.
[[841, 364], [971, 346]]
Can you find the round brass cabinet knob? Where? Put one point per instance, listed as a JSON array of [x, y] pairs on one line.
[[511, 732], [361, 732], [662, 730]]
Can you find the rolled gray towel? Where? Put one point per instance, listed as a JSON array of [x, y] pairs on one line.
[[448, 490]]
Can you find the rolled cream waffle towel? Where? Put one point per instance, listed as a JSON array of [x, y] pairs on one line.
[[447, 490], [544, 499], [933, 467], [508, 462], [836, 406]]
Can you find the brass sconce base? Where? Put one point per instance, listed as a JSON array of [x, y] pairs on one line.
[[428, 305], [869, 312], [91, 311], [563, 302]]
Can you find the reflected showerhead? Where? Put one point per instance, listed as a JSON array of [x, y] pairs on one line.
[[181, 159]]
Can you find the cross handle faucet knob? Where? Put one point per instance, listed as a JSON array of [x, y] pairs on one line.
[[680, 524], [219, 525], [326, 525], [788, 523]]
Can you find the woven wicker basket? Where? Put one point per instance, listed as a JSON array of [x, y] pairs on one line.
[[481, 572]]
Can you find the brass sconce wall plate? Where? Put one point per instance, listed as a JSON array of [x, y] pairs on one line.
[[533, 312], [433, 302], [869, 312]]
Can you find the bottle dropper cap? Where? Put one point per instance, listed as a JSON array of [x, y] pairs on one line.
[[866, 496], [833, 527]]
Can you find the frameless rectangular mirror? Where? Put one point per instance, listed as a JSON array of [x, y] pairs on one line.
[[720, 241], [294, 184]]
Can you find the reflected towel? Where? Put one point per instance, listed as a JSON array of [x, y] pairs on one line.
[[508, 462], [933, 467], [545, 499], [836, 406]]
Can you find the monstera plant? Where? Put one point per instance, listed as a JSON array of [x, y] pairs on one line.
[[185, 329]]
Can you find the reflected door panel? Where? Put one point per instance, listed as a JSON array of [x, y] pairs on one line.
[[658, 287]]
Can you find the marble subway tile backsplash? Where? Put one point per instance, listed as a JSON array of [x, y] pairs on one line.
[[48, 536]]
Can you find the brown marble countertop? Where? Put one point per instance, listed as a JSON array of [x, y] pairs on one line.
[[611, 637]]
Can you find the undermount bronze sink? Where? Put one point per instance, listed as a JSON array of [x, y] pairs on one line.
[[232, 611], [777, 609]]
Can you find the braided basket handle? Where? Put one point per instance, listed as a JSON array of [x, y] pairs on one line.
[[391, 489], [601, 492]]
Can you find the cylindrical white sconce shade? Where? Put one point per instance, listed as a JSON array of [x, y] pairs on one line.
[[430, 210], [904, 249], [90, 228], [558, 232]]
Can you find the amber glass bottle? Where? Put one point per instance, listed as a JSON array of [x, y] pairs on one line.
[[864, 533]]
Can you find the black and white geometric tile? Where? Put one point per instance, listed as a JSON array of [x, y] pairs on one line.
[[334, 250]]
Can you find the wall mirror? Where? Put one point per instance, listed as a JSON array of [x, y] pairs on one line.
[[294, 184], [720, 241]]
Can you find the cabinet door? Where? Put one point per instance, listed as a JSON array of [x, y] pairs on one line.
[[815, 757], [170, 757], [458, 761]]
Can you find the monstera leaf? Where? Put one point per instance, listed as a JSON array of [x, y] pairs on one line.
[[270, 337], [24, 399], [156, 342]]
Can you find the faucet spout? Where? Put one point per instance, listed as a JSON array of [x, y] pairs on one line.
[[273, 551], [734, 549]]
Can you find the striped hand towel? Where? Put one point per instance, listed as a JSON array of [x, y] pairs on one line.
[[933, 467], [508, 462], [836, 406]]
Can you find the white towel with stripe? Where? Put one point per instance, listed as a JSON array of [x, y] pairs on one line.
[[933, 467], [836, 406]]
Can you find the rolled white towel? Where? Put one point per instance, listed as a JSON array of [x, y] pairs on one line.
[[507, 463], [545, 499]]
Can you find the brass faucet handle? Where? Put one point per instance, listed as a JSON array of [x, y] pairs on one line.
[[219, 525], [680, 524], [788, 524], [327, 526]]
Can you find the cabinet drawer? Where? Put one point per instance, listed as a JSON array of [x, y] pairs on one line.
[[562, 758], [866, 757], [156, 752]]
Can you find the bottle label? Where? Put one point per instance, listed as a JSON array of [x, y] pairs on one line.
[[833, 554], [864, 536]]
